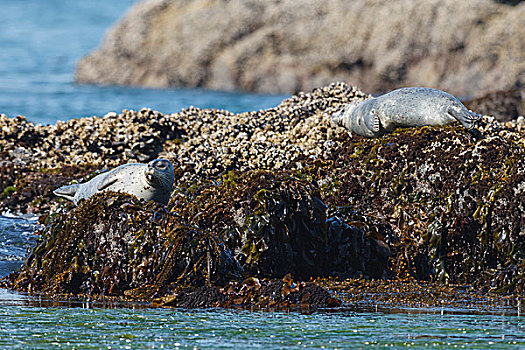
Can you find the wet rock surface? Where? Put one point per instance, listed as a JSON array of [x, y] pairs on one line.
[[465, 48], [256, 293], [265, 194]]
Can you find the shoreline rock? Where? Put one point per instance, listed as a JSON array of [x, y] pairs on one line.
[[267, 193], [464, 48]]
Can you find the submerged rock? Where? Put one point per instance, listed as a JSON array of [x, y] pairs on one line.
[[255, 293]]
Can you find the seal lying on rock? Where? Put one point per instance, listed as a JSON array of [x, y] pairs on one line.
[[152, 181], [403, 108]]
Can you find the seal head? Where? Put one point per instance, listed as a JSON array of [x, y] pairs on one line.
[[359, 117], [160, 174], [152, 181]]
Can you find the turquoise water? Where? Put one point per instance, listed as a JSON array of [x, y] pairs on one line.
[[40, 42]]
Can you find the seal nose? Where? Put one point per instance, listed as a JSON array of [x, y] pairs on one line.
[[160, 164]]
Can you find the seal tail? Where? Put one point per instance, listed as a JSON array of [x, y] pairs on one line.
[[464, 116], [67, 192]]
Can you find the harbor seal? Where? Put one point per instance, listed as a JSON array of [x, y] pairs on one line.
[[152, 181], [415, 106]]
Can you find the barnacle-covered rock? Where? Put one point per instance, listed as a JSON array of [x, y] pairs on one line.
[[266, 193], [204, 143], [503, 105], [292, 45]]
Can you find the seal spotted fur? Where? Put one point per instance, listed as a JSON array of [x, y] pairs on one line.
[[405, 107], [152, 181]]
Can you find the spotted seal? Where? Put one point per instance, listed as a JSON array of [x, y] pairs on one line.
[[415, 106], [152, 181]]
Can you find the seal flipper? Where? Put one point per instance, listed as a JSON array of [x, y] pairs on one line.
[[108, 180], [67, 192], [464, 116], [372, 122]]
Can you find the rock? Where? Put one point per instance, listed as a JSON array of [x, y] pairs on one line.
[[464, 48], [455, 202], [255, 293], [267, 193], [113, 245], [202, 143], [503, 105]]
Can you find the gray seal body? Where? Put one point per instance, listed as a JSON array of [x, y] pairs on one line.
[[405, 107], [152, 181]]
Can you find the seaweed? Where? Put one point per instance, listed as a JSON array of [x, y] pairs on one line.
[[431, 204], [455, 203], [114, 245]]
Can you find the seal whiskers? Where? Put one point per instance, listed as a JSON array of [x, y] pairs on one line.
[[464, 116]]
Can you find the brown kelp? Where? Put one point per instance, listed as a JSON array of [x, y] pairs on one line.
[[456, 203], [261, 224], [114, 245]]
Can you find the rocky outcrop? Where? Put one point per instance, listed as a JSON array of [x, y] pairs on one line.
[[203, 143], [463, 47], [263, 194]]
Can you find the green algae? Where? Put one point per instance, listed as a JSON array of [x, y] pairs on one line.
[[7, 192]]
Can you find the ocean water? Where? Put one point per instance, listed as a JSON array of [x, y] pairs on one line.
[[40, 42], [17, 237], [27, 325]]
